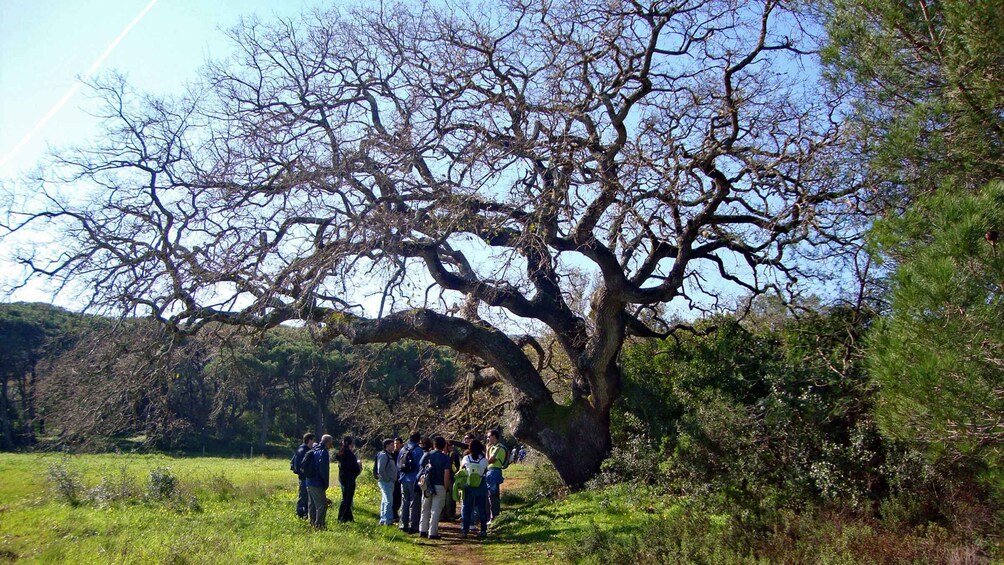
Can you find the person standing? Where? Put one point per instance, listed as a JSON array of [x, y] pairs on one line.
[[317, 473], [408, 469], [496, 460], [475, 464], [456, 454], [295, 465], [398, 446], [386, 473], [348, 470], [437, 468]]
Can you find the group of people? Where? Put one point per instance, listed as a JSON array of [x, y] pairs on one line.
[[420, 481], [312, 464]]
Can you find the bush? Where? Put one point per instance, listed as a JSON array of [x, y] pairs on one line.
[[545, 483], [636, 460], [113, 488], [162, 485], [65, 482]]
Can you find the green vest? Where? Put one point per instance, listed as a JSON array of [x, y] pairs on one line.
[[499, 453]]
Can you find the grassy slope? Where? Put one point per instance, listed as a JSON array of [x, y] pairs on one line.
[[244, 513]]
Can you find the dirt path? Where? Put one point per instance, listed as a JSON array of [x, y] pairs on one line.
[[453, 549]]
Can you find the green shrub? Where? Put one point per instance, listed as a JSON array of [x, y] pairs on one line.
[[114, 487], [162, 484], [65, 482], [545, 483], [636, 460]]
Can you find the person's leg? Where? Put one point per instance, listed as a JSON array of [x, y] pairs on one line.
[[416, 509], [302, 500], [320, 508], [423, 524], [481, 500], [407, 493], [397, 501], [438, 502], [494, 504], [345, 508], [386, 502], [311, 507], [450, 510], [467, 511]]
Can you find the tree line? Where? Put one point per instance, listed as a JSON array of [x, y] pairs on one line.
[[90, 382]]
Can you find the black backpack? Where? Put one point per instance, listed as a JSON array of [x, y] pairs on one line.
[[308, 467], [409, 464]]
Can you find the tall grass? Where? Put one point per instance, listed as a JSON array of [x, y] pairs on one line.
[[156, 509]]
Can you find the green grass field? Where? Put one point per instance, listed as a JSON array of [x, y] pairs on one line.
[[224, 510], [241, 511]]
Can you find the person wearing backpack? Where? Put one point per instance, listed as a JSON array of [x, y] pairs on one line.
[[316, 465], [476, 492], [385, 472], [437, 469], [408, 469], [497, 460], [294, 465]]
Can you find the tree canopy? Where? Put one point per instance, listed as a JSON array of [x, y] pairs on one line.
[[459, 168]]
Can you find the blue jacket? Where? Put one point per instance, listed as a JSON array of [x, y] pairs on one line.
[[323, 467], [416, 453]]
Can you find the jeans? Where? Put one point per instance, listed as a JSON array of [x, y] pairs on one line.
[[432, 507], [474, 501], [301, 500], [386, 502], [317, 509], [411, 506], [494, 479], [348, 493]]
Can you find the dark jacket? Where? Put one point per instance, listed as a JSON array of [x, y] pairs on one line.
[[348, 466], [294, 463], [416, 454], [323, 468]]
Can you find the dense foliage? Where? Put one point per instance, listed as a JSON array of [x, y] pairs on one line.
[[87, 381], [779, 429]]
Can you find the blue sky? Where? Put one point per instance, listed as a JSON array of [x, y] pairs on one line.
[[45, 45]]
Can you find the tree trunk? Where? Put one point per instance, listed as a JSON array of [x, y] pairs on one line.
[[319, 422], [266, 421], [8, 433], [576, 438]]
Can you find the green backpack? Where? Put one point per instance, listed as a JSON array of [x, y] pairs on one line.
[[474, 475], [459, 482]]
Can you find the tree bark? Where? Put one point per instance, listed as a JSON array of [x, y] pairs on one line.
[[266, 420], [575, 438], [8, 433]]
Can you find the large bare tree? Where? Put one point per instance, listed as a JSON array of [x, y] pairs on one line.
[[459, 173]]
